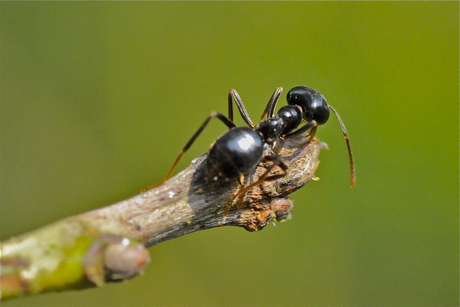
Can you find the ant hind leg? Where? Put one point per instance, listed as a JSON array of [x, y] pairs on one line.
[[265, 177], [218, 115]]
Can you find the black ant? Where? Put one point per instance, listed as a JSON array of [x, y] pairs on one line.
[[241, 149]]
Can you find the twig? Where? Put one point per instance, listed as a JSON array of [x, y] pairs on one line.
[[109, 244]]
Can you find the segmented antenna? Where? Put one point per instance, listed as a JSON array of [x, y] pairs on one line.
[[350, 153]]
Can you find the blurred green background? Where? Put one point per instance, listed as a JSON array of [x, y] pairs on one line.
[[97, 99]]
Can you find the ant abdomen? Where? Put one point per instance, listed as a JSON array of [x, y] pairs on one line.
[[235, 153]]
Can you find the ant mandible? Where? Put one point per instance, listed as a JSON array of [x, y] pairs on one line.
[[241, 149]]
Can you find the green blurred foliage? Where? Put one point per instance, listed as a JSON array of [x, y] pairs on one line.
[[98, 98]]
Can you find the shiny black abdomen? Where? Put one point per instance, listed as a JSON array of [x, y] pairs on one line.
[[236, 152]]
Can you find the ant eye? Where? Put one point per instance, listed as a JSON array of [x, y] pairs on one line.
[[313, 104]]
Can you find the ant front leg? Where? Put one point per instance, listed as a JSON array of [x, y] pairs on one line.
[[313, 125], [218, 115], [233, 96]]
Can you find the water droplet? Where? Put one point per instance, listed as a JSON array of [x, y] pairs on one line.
[[125, 242]]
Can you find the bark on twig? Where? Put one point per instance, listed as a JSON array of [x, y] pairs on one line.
[[109, 244]]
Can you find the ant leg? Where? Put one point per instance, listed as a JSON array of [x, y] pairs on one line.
[[270, 108], [220, 116], [312, 133], [265, 177], [310, 125], [241, 185], [233, 96]]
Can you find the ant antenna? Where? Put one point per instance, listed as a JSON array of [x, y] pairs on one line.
[[350, 154]]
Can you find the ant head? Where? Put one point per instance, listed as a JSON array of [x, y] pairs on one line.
[[313, 104], [315, 107]]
